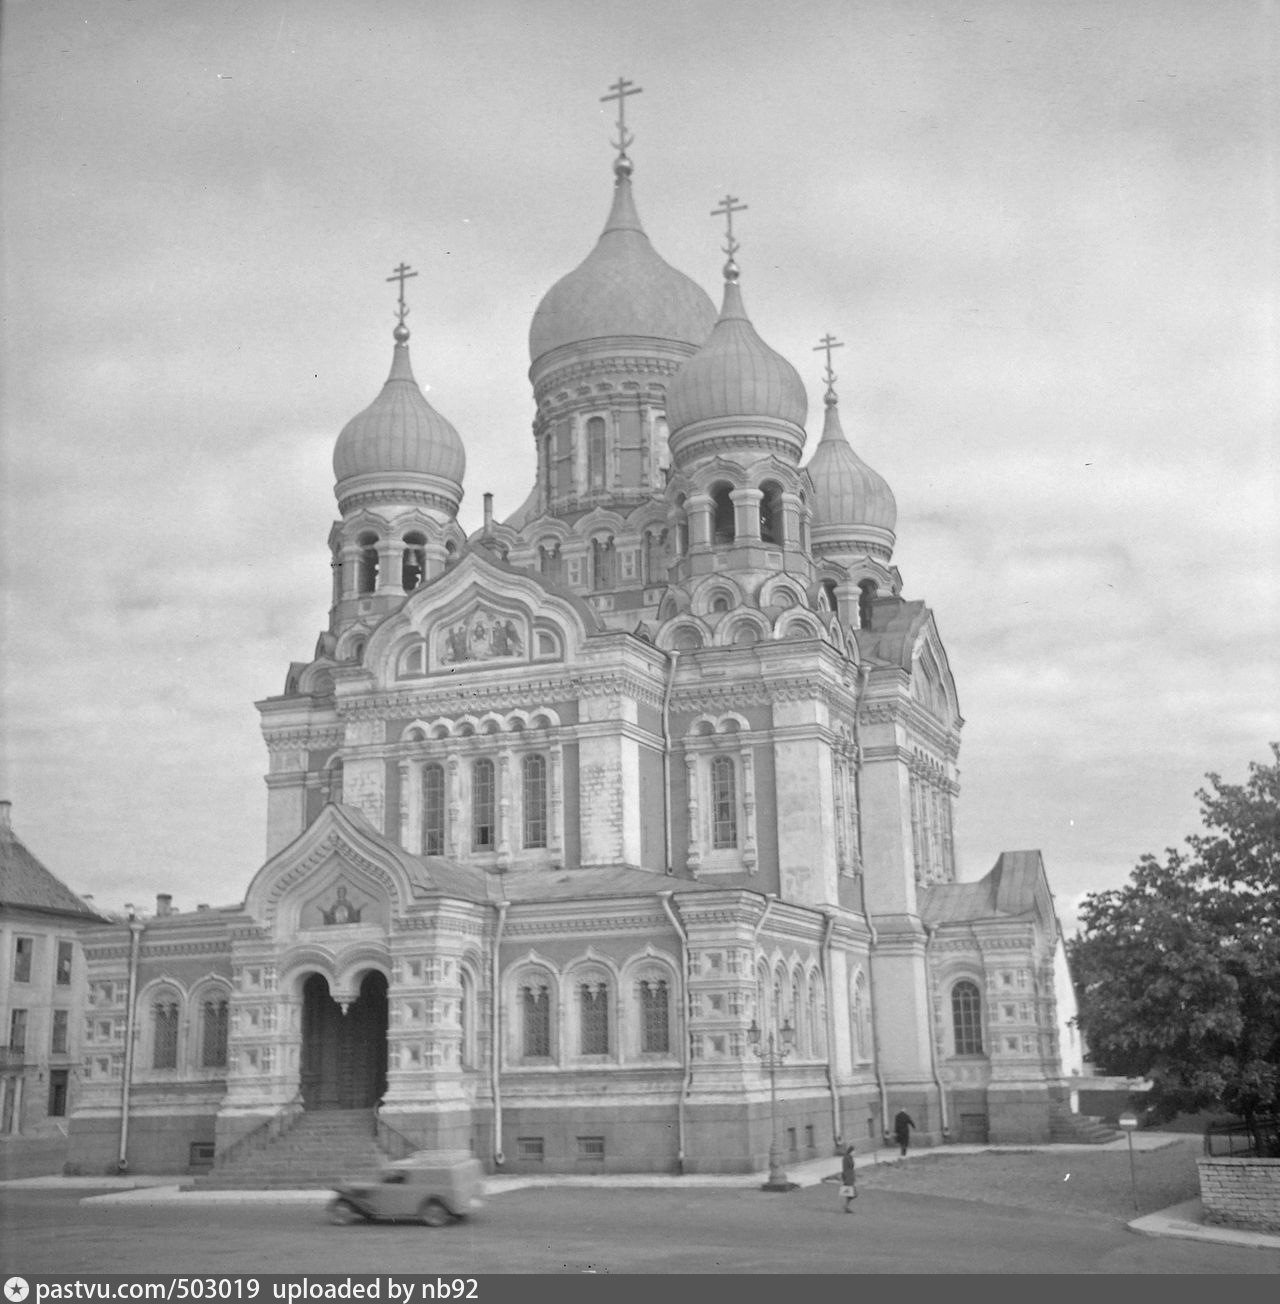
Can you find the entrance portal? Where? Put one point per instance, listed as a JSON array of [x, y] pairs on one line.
[[344, 1056]]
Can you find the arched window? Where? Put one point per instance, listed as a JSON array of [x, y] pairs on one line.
[[829, 592], [413, 565], [724, 527], [724, 804], [817, 1018], [861, 1021], [483, 806], [535, 801], [655, 1017], [467, 1019], [966, 1017], [653, 557], [535, 1018], [799, 1011], [368, 563], [596, 474], [334, 784], [602, 562], [770, 513], [164, 1033], [433, 809], [213, 1032], [593, 1017], [549, 561]]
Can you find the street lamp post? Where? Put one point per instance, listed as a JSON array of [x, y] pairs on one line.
[[771, 1056]]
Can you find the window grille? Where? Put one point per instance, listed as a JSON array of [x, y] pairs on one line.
[[213, 1044], [591, 1147], [530, 1147], [537, 1022], [655, 1029], [482, 806], [433, 810], [535, 801], [164, 1049], [724, 804], [966, 1018], [594, 1007]]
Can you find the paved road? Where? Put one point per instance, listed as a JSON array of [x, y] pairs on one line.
[[620, 1231]]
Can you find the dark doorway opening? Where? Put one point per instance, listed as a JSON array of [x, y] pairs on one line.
[[344, 1056]]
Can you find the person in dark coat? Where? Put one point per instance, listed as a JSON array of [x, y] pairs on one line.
[[902, 1125], [848, 1177]]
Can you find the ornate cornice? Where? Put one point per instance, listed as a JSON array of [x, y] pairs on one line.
[[574, 373], [420, 497], [306, 738]]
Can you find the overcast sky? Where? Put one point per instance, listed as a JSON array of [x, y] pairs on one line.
[[1046, 232]]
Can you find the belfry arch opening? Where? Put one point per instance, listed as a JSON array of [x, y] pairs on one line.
[[344, 1053]]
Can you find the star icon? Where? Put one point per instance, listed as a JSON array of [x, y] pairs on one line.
[[16, 1290]]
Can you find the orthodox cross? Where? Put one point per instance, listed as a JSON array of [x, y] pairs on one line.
[[827, 343], [728, 207], [402, 274], [621, 89]]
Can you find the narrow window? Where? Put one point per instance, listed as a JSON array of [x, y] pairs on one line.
[[466, 1020], [866, 604], [723, 523], [594, 1009], [535, 801], [23, 948], [18, 1030], [655, 1028], [724, 804], [603, 559], [58, 1042], [770, 513], [482, 806], [595, 454], [368, 563], [164, 1046], [966, 1018], [213, 1040], [65, 953], [413, 566], [536, 1003], [433, 810]]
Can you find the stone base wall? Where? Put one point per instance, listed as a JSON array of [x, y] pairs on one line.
[[1241, 1192], [156, 1145], [1018, 1115]]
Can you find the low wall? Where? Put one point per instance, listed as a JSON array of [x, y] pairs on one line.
[[1241, 1192]]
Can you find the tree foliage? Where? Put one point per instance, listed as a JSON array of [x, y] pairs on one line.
[[1179, 971]]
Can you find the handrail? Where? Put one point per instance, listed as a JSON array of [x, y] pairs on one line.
[[268, 1130], [394, 1142]]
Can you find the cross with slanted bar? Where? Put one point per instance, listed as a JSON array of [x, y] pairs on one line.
[[728, 207], [402, 274], [829, 342], [621, 89]]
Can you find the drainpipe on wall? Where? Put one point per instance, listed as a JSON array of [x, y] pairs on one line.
[[495, 1033], [135, 945], [672, 658], [929, 931], [864, 673], [875, 1033], [837, 1126], [665, 898]]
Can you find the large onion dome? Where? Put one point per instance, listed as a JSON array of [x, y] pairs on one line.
[[736, 382], [853, 507], [400, 444], [622, 288]]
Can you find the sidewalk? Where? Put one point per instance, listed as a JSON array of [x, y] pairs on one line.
[[1181, 1220]]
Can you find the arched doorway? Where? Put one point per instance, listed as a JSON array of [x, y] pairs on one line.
[[344, 1056]]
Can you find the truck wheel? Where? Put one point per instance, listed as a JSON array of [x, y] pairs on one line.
[[343, 1213], [434, 1214]]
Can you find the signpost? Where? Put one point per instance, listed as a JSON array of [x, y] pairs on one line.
[[1129, 1121]]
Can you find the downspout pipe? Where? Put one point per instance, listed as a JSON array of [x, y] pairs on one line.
[[837, 1124], [495, 1032], [875, 1033], [131, 1018], [929, 931], [666, 899], [673, 658]]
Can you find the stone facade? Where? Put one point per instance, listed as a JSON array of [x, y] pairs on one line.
[[1241, 1192], [570, 819]]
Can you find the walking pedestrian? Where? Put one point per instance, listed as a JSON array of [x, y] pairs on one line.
[[848, 1180], [902, 1125]]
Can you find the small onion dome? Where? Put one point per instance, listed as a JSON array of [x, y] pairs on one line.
[[735, 378], [400, 441], [853, 505], [622, 288]]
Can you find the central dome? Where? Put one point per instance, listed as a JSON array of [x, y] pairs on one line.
[[622, 288]]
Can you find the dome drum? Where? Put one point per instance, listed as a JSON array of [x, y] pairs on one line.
[[731, 436]]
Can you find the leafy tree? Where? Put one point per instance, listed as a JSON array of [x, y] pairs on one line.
[[1179, 971]]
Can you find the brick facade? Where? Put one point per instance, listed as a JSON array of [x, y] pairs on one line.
[[1239, 1192]]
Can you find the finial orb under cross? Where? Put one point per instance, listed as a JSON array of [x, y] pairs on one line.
[[825, 345], [401, 274], [728, 207], [619, 91]]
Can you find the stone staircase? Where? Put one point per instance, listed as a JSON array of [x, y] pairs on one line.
[[1066, 1128], [323, 1148]]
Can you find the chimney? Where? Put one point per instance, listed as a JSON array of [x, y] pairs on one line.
[[488, 515], [164, 905], [6, 827]]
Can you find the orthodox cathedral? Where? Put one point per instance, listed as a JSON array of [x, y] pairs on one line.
[[618, 835]]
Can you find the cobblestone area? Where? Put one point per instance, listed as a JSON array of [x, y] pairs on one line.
[[1078, 1181]]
